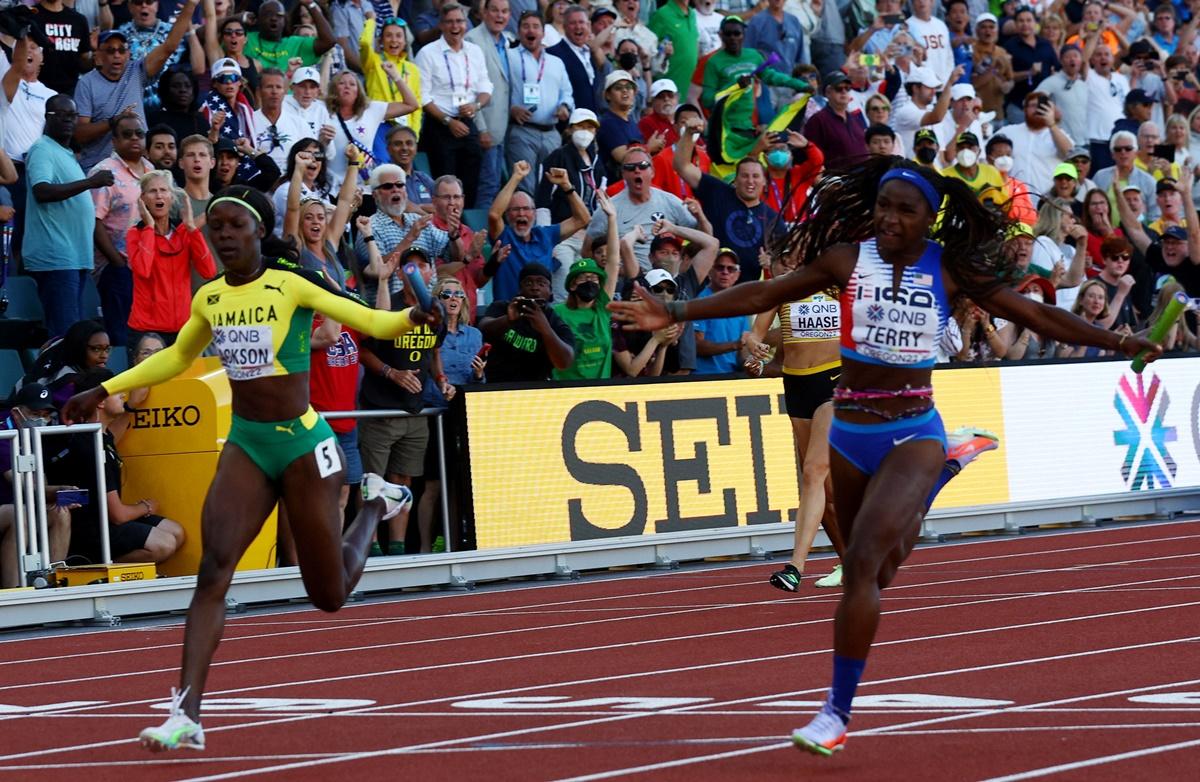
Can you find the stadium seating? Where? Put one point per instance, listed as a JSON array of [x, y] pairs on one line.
[[421, 163], [476, 219], [23, 301], [11, 371]]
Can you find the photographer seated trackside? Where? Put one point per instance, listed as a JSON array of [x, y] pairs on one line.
[[137, 533]]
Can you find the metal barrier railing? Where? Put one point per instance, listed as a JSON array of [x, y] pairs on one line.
[[429, 412], [30, 520]]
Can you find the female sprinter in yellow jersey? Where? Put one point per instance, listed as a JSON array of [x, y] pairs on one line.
[[809, 332], [259, 317]]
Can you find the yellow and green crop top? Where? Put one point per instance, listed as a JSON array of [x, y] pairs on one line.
[[816, 318], [261, 328]]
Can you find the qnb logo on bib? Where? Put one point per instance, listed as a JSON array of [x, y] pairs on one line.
[[246, 352]]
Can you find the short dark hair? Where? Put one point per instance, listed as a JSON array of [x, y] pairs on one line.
[[879, 129], [530, 14], [161, 130], [999, 138]]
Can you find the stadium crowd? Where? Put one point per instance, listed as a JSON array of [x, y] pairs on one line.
[[539, 159]]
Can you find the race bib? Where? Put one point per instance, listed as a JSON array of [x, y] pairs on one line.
[[246, 352], [329, 461]]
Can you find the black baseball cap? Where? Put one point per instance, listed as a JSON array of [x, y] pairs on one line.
[[1139, 96], [35, 396], [534, 270]]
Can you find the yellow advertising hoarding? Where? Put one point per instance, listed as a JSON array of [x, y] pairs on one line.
[[569, 463]]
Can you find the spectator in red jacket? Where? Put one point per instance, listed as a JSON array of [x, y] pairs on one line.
[[162, 254]]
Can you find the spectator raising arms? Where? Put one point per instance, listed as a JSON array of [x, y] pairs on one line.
[[162, 256]]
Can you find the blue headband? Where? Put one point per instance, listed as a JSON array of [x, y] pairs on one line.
[[917, 181]]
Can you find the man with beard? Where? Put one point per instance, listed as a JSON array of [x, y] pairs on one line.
[[162, 147], [740, 220], [1039, 144], [530, 243], [390, 225]]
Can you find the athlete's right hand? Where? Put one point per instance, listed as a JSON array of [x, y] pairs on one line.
[[81, 406], [432, 319], [645, 313]]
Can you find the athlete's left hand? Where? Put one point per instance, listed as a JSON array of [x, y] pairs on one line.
[[432, 319], [1135, 344]]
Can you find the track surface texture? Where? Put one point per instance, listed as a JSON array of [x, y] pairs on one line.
[[1068, 655]]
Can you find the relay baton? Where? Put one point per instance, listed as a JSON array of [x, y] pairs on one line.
[[1158, 332], [413, 275]]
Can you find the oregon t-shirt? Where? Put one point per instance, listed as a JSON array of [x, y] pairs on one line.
[[592, 327]]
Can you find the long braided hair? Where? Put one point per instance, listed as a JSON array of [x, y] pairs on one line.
[[841, 209]]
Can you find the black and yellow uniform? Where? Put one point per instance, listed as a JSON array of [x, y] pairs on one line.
[[262, 329], [814, 319]]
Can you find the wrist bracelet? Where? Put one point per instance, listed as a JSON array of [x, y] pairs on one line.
[[675, 311], [1121, 341], [386, 371]]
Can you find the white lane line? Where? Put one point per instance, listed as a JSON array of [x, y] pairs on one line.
[[737, 753], [1137, 753], [991, 578], [349, 623], [698, 707]]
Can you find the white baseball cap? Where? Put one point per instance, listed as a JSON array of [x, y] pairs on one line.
[[658, 277], [618, 76], [962, 91], [307, 73], [583, 115], [986, 17], [226, 66], [922, 75], [661, 86]]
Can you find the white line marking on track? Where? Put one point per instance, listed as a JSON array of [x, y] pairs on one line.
[[349, 623], [541, 628], [1137, 753]]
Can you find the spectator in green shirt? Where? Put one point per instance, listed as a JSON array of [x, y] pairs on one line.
[[734, 64], [676, 21], [589, 290], [270, 48]]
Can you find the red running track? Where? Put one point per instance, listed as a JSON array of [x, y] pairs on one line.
[[1066, 656]]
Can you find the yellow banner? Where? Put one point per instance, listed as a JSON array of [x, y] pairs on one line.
[[563, 464]]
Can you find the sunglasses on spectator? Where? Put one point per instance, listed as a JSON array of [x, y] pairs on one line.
[[1119, 257], [228, 78], [645, 164], [395, 20], [841, 88], [386, 186], [142, 2], [1122, 149], [664, 287], [452, 295], [116, 50], [317, 155], [236, 32], [133, 133], [722, 269]]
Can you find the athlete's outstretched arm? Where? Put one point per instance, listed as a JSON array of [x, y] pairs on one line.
[[831, 269], [163, 365], [372, 322], [1062, 325]]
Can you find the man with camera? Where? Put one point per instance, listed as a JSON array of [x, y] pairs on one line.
[[1038, 144], [1067, 90], [528, 339]]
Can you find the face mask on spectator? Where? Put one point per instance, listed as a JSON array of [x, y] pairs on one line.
[[582, 138], [587, 291], [779, 158], [967, 157], [627, 60], [926, 155], [1004, 163]]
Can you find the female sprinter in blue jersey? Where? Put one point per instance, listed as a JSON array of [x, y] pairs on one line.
[[258, 315], [901, 245]]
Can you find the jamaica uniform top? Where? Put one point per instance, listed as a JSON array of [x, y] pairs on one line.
[[261, 328]]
